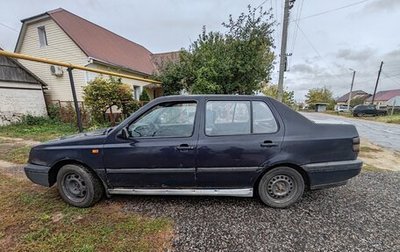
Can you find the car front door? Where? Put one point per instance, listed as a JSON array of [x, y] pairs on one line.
[[237, 139], [160, 151]]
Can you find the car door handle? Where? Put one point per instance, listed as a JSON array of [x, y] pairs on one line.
[[268, 143], [184, 147]]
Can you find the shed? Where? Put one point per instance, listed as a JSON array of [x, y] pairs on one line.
[[21, 92], [320, 107]]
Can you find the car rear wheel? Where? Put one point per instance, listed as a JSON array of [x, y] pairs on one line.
[[360, 114], [281, 187], [78, 186]]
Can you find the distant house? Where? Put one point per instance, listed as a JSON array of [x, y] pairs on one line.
[[21, 92], [63, 36], [357, 94], [385, 98]]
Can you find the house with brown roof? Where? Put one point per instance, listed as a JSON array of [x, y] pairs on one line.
[[386, 98], [356, 94], [63, 36]]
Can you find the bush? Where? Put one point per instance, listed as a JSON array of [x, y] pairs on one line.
[[101, 95], [54, 111], [34, 120], [144, 96]]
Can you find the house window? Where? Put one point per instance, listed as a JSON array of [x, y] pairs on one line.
[[90, 76], [42, 36], [137, 91]]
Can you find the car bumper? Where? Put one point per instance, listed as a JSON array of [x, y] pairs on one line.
[[38, 174], [330, 174]]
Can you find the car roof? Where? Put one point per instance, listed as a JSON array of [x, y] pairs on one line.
[[213, 96]]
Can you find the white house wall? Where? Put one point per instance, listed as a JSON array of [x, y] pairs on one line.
[[15, 101], [61, 48], [394, 101], [130, 82]]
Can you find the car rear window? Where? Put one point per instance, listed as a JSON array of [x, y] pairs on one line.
[[233, 118], [263, 119], [227, 118]]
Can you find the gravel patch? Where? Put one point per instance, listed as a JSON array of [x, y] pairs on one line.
[[364, 215]]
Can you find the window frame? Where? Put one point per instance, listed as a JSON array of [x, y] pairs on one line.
[[251, 118], [273, 115], [166, 137], [42, 32]]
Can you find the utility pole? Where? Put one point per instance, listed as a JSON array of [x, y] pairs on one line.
[[283, 56], [351, 89], [377, 81], [77, 110]]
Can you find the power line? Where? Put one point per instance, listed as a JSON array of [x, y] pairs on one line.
[[393, 75], [315, 50], [331, 10], [261, 4], [308, 40], [295, 31], [390, 78]]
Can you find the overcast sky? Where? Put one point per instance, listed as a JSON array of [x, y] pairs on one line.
[[333, 36]]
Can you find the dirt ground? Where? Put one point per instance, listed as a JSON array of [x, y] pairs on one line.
[[379, 157]]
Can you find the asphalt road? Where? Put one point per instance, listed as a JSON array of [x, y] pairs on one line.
[[383, 134], [361, 216]]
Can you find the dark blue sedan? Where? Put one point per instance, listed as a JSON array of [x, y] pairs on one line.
[[201, 145]]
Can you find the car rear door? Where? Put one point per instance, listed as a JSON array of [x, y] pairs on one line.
[[236, 139], [161, 150]]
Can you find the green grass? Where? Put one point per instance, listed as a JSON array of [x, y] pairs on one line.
[[35, 219], [331, 112], [41, 132], [389, 119], [385, 119]]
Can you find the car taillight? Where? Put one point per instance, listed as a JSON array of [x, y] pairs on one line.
[[356, 144]]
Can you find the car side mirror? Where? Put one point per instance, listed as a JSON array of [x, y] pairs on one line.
[[124, 134]]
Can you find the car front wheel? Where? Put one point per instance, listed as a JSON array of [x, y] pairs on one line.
[[281, 187], [78, 186]]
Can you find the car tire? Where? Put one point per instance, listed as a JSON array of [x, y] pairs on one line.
[[281, 187], [78, 186], [360, 114]]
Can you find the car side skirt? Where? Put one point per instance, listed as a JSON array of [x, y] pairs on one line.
[[240, 192]]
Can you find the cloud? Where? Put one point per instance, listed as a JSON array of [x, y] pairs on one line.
[[302, 68], [382, 5], [355, 55]]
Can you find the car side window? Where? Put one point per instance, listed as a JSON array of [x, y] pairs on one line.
[[227, 118], [263, 119], [166, 120]]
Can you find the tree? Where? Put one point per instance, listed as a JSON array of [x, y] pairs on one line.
[[358, 100], [272, 91], [234, 62], [102, 94], [320, 95]]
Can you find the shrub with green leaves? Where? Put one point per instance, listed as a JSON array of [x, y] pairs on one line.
[[34, 120], [144, 96], [102, 94]]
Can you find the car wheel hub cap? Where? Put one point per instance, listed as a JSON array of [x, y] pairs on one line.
[[75, 185], [280, 186]]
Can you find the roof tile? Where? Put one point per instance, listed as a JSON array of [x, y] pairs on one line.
[[102, 44]]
